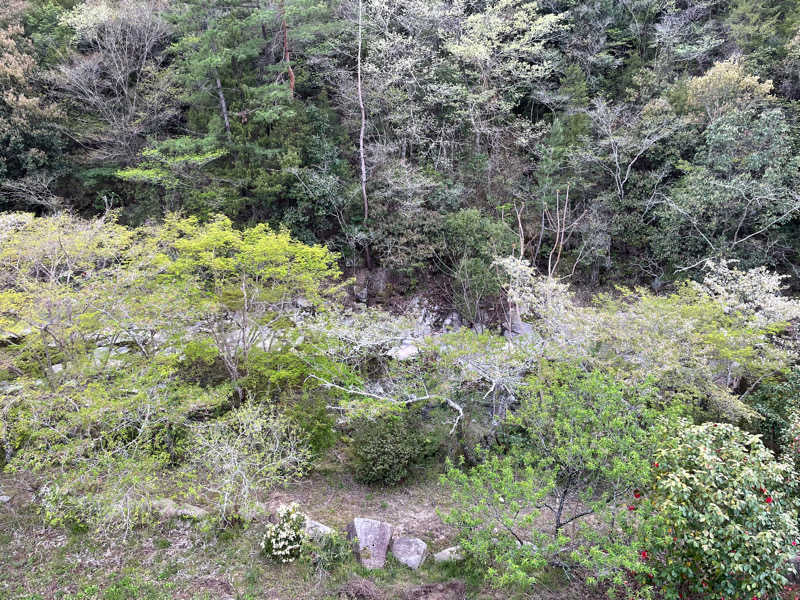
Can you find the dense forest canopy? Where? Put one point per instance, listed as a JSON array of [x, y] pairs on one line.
[[640, 137], [530, 264]]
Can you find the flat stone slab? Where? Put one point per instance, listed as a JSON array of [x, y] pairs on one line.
[[371, 541], [409, 550], [451, 553], [316, 530]]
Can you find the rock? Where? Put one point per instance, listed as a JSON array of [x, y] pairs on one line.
[[361, 294], [360, 589], [409, 551], [371, 541], [169, 509], [5, 499], [793, 569], [316, 530], [450, 590], [404, 352], [452, 321], [451, 553]]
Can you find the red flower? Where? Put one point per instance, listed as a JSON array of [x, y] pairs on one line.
[[637, 494], [655, 464], [794, 543], [631, 507], [768, 500], [643, 554]]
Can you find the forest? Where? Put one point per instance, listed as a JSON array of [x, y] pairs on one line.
[[414, 299]]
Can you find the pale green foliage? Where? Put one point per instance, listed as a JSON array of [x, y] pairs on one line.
[[690, 343], [249, 450], [495, 511], [86, 17], [724, 86], [98, 316], [720, 519], [757, 294]]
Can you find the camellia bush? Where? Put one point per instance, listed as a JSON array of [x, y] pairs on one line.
[[721, 518]]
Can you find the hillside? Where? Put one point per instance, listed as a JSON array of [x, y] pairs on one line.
[[399, 299]]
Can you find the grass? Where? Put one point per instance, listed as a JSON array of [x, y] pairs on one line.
[[179, 560]]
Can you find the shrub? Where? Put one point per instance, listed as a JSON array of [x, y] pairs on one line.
[[248, 451], [60, 507], [386, 447], [283, 541], [721, 518], [202, 364], [330, 551], [578, 443], [311, 415]]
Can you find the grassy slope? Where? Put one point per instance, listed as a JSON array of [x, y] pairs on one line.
[[178, 560]]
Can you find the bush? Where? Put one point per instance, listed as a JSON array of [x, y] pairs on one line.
[[386, 447], [283, 541], [248, 451], [577, 444], [721, 518], [311, 415], [330, 551], [202, 364]]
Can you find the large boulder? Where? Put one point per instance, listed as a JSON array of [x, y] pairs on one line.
[[409, 550], [450, 590], [371, 541]]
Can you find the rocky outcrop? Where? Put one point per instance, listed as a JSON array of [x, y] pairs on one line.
[[371, 540], [409, 551]]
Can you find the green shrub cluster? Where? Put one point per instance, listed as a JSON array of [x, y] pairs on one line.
[[386, 447]]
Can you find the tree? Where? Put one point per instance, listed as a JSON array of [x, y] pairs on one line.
[[579, 445], [243, 283], [115, 83], [736, 198], [30, 145]]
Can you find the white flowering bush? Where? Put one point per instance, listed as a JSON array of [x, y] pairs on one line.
[[283, 541], [756, 294]]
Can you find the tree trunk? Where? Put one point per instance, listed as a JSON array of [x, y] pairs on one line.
[[223, 106], [361, 137], [289, 70]]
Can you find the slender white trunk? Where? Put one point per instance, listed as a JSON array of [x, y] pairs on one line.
[[363, 121]]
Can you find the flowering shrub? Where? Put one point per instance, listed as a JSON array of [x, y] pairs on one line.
[[721, 518], [283, 541]]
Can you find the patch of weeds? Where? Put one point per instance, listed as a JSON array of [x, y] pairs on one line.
[[162, 543], [168, 571]]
